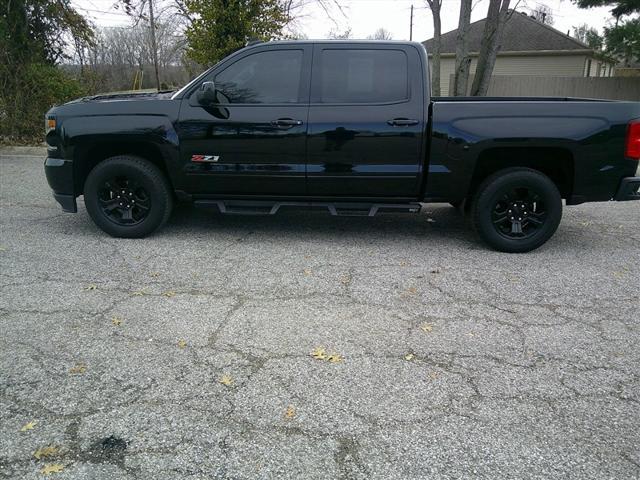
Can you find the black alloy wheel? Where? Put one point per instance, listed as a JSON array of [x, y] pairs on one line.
[[516, 209], [519, 213], [128, 196], [124, 201]]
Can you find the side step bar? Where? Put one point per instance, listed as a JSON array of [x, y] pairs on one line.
[[344, 209]]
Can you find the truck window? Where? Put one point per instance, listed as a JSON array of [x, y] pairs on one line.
[[363, 76], [264, 77]]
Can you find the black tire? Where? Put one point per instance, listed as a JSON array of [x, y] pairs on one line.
[[516, 210], [132, 178]]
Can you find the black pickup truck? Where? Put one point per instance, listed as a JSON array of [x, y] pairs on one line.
[[349, 126]]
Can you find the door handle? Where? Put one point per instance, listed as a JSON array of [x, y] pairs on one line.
[[286, 122], [402, 122]]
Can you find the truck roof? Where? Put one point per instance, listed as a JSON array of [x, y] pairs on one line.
[[326, 40]]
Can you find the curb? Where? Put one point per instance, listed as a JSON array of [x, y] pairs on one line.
[[23, 151]]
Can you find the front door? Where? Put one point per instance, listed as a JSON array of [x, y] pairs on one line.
[[251, 140], [366, 121]]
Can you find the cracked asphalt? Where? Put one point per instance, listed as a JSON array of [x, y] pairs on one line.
[[187, 355]]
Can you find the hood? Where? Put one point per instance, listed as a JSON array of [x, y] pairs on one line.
[[126, 96]]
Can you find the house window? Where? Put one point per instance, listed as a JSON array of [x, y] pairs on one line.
[[588, 68]]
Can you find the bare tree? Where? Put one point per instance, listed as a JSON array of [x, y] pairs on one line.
[[118, 53], [339, 35], [543, 14], [435, 6], [295, 11], [497, 16], [154, 48], [138, 9], [381, 34], [588, 35], [463, 60]]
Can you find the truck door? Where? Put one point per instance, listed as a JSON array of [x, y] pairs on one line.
[[251, 139], [366, 121]]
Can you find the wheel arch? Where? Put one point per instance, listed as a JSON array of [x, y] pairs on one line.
[[555, 162], [88, 156]]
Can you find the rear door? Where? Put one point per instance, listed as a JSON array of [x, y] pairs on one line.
[[366, 121], [252, 140]]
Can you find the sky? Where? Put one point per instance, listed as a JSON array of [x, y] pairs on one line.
[[364, 17]]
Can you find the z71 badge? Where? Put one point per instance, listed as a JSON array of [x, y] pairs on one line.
[[205, 158]]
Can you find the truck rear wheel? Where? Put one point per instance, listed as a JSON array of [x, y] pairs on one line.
[[516, 210], [127, 196]]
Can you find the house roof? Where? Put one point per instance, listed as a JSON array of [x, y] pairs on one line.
[[521, 34]]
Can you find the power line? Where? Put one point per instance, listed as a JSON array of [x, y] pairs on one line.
[[121, 14]]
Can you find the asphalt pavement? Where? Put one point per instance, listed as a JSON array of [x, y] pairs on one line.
[[313, 347]]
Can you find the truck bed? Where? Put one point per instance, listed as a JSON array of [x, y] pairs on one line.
[[580, 141]]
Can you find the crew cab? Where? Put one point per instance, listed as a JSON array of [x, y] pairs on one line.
[[349, 126]]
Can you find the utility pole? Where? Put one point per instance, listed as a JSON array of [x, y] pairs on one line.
[[411, 25], [153, 44]]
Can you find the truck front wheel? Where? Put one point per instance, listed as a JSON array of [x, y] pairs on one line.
[[516, 210], [127, 196]]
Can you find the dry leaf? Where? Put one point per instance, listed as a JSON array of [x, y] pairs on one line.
[[412, 290], [345, 279], [621, 273], [182, 343], [154, 274], [307, 272], [409, 356], [45, 452], [52, 468], [290, 412], [433, 375], [403, 264], [28, 426], [139, 293], [116, 321], [426, 327], [90, 287], [169, 294], [78, 369], [319, 353], [226, 380], [334, 358]]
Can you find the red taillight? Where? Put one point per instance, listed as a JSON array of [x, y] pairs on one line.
[[632, 145]]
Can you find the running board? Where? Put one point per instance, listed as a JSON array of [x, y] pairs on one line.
[[343, 209]]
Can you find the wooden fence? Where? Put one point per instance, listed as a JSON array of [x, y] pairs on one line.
[[614, 88]]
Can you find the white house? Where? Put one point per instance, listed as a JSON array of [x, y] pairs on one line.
[[528, 47]]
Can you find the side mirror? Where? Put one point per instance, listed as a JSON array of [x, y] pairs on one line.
[[207, 93]]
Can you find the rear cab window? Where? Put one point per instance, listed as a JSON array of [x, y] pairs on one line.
[[362, 75]]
